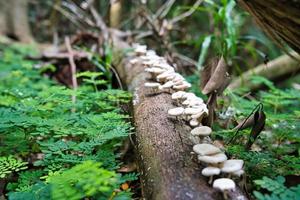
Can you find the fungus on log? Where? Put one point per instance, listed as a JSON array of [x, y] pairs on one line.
[[167, 168]]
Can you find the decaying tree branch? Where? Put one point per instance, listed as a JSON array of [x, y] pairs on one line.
[[168, 170], [275, 68]]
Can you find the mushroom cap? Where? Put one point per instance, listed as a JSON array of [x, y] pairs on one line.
[[165, 65], [210, 171], [224, 184], [168, 84], [140, 49], [165, 74], [198, 115], [151, 53], [133, 61], [192, 110], [155, 70], [213, 159], [189, 95], [152, 85], [176, 111], [232, 165], [201, 131], [178, 95], [205, 149], [150, 62], [194, 122], [196, 102]]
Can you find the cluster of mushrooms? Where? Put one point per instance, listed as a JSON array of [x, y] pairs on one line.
[[193, 109]]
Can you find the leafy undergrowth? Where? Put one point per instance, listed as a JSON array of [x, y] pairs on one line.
[[53, 148], [272, 164], [275, 152]]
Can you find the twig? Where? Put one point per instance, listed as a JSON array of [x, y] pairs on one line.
[[117, 77], [164, 9], [185, 58], [260, 106], [73, 68], [143, 35], [77, 11], [186, 14], [100, 22], [68, 15]]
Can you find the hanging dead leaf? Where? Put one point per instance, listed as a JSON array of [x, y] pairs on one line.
[[246, 123], [217, 78], [227, 80], [207, 72], [259, 124]]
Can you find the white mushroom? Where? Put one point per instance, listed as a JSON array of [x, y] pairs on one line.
[[167, 85], [164, 65], [150, 63], [201, 132], [199, 115], [152, 85], [133, 61], [175, 77], [213, 159], [210, 172], [189, 95], [151, 53], [205, 149], [224, 184], [155, 70], [164, 76], [176, 111], [233, 165], [140, 49], [178, 95], [192, 111], [194, 122]]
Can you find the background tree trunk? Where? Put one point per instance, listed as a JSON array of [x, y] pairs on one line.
[[14, 20]]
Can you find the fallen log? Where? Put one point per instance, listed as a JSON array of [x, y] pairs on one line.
[[167, 167], [278, 67]]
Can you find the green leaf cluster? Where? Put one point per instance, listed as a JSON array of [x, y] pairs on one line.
[[64, 141], [276, 189], [9, 165]]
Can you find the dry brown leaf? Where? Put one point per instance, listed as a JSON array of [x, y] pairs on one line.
[[259, 124], [218, 77]]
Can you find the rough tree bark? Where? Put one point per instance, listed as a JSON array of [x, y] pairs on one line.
[[14, 20], [168, 170]]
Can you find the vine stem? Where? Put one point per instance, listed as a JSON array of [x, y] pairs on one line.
[[73, 69]]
